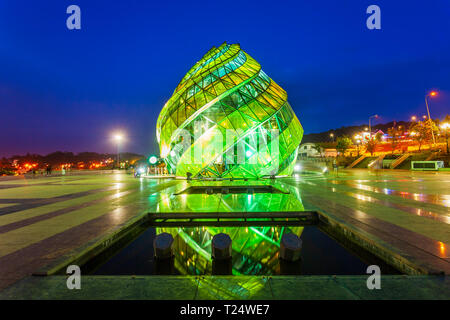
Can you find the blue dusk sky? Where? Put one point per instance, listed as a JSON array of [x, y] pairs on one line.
[[69, 90]]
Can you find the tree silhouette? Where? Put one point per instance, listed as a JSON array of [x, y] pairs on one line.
[[371, 146], [343, 143]]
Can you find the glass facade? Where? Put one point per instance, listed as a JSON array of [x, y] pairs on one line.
[[228, 119]]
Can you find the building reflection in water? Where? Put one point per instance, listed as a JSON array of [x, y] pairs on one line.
[[254, 248]]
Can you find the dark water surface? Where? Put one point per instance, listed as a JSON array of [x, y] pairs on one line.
[[255, 252]]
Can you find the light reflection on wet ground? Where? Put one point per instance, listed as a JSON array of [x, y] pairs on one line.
[[430, 198], [416, 211], [362, 184], [387, 195], [285, 200]]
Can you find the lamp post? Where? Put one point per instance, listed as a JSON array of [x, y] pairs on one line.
[[446, 126], [370, 126], [358, 142], [332, 136], [153, 161], [431, 94], [118, 139]]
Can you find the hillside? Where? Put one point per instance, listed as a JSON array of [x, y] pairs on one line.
[[349, 131]]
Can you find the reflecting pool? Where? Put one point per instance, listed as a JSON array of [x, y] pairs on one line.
[[254, 252]]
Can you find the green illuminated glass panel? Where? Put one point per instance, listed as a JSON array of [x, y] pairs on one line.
[[227, 90]]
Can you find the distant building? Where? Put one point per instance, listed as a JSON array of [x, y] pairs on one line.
[[306, 150], [330, 153]]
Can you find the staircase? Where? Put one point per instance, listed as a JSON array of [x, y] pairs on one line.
[[354, 163], [432, 156], [399, 160], [377, 160]]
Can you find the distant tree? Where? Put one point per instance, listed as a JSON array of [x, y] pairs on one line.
[[447, 118], [343, 143], [421, 132], [395, 133], [378, 136], [445, 130], [371, 146]]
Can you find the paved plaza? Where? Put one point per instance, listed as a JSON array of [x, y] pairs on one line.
[[45, 219]]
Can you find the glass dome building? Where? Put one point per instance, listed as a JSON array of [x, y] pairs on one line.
[[228, 119]]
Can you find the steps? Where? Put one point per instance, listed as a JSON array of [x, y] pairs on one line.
[[377, 160], [432, 156], [354, 163], [399, 160]]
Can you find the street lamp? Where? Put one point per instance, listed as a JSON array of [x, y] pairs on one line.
[[413, 118], [431, 94], [446, 126], [358, 142], [332, 136], [370, 127], [118, 138], [153, 160]]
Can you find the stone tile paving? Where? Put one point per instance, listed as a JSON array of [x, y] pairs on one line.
[[190, 288]]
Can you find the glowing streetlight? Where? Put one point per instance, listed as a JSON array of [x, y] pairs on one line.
[[152, 159], [118, 138], [431, 94], [413, 118]]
